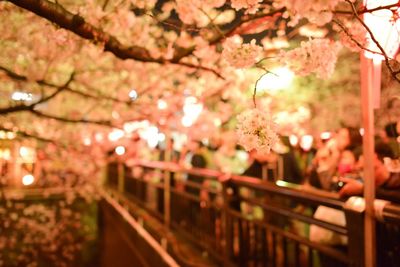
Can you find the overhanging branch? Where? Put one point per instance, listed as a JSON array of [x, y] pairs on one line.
[[69, 120], [65, 87], [27, 135], [23, 107], [75, 23], [373, 38]]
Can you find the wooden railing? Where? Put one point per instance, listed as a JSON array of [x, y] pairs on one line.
[[243, 221]]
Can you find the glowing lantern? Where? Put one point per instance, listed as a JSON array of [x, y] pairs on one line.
[[385, 27]]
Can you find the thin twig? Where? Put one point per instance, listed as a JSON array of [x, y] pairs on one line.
[[69, 120], [392, 71], [346, 31]]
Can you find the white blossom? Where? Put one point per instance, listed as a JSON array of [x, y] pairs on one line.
[[192, 11], [256, 130], [317, 11], [251, 6], [317, 56]]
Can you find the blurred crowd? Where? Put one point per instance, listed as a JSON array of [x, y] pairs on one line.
[[332, 161]]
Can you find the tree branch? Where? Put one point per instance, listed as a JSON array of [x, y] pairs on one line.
[[27, 135], [56, 92], [19, 77], [68, 120], [392, 71], [346, 31], [75, 23], [220, 36], [366, 10], [57, 14], [23, 107]]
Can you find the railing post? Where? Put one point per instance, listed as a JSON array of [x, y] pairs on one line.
[[167, 198], [121, 177], [227, 222], [167, 182], [104, 179], [354, 210], [367, 87]]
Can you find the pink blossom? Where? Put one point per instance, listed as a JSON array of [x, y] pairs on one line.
[[240, 55], [356, 33], [317, 11], [256, 130], [251, 6], [315, 56]]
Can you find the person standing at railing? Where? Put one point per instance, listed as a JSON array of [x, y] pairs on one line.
[[197, 160], [326, 162], [291, 169], [387, 174]]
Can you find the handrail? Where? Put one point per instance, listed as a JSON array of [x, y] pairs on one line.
[[300, 192], [140, 230], [307, 219], [391, 213], [175, 167], [218, 218], [295, 191]]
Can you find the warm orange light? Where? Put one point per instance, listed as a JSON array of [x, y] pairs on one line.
[[325, 135], [28, 179], [293, 139], [306, 142]]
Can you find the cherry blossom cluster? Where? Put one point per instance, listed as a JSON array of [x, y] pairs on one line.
[[256, 130], [193, 11], [317, 11], [251, 6], [317, 56], [35, 233], [240, 55]]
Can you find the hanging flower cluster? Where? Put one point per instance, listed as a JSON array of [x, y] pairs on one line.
[[240, 55], [256, 130], [317, 11], [315, 56]]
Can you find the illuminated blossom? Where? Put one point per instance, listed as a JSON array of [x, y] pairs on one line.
[[240, 55], [256, 130], [318, 11], [356, 33], [187, 11], [315, 56], [148, 4], [192, 11], [251, 5], [212, 3]]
